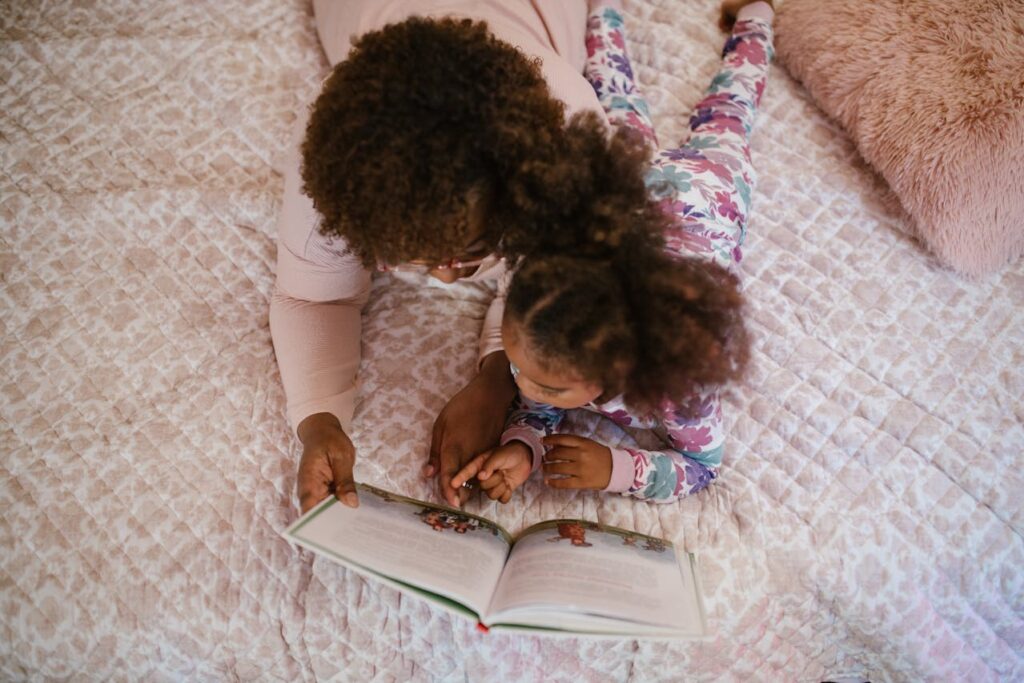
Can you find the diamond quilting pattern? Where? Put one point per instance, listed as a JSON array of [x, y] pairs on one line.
[[868, 518]]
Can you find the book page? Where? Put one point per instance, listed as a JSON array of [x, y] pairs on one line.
[[441, 550], [569, 567]]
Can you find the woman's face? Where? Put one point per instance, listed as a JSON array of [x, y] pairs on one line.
[[469, 259], [560, 389]]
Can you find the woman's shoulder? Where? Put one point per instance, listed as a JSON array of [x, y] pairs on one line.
[[554, 34]]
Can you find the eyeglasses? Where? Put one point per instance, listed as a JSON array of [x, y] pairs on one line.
[[424, 268], [472, 256]]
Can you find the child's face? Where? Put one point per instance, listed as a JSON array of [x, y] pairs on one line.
[[560, 389]]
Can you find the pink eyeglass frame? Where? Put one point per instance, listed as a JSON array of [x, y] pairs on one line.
[[426, 268]]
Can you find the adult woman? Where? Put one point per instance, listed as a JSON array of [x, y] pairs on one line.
[[442, 99], [437, 142]]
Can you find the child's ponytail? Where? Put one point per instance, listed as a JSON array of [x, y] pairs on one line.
[[596, 292], [581, 197], [634, 319], [686, 316]]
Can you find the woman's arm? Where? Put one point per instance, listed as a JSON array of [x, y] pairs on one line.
[[315, 310], [315, 326], [317, 350]]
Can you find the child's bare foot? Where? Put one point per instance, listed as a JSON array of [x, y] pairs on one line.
[[731, 8]]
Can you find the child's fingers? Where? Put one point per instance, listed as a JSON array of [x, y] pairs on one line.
[[497, 491], [566, 440], [490, 482], [469, 470], [496, 460], [506, 497]]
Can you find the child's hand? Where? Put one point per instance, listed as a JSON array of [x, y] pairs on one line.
[[500, 470], [580, 462]]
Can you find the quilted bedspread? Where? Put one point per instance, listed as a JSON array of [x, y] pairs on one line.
[[868, 518]]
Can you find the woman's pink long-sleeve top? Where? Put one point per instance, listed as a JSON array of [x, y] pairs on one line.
[[321, 290]]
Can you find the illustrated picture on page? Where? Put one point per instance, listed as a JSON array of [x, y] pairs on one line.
[[436, 517], [440, 519], [574, 531]]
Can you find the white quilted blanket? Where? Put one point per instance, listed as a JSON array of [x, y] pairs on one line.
[[869, 516]]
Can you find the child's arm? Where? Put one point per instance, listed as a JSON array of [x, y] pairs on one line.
[[611, 75], [502, 470], [530, 422], [707, 182], [663, 476]]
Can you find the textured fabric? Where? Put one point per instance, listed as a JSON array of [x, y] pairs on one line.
[[868, 514], [321, 288], [932, 92]]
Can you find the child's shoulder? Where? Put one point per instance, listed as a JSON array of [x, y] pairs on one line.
[[621, 414]]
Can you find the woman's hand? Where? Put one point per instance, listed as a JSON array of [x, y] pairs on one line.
[[471, 422], [327, 459], [575, 462], [731, 8], [500, 471]]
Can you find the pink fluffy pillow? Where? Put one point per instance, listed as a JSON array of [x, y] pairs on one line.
[[932, 92]]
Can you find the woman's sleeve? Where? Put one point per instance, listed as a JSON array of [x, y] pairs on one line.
[[696, 436], [610, 74], [315, 309]]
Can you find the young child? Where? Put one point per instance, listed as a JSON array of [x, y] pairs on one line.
[[644, 323]]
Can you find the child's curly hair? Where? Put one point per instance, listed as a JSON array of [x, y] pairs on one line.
[[421, 116], [633, 319]]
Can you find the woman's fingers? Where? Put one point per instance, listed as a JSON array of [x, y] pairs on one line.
[[314, 480], [434, 459], [344, 484]]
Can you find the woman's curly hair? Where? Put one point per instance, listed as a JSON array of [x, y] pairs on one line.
[[632, 318], [421, 116], [425, 114]]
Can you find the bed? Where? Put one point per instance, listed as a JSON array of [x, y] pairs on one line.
[[868, 520]]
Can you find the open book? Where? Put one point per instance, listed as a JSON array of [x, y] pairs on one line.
[[563, 575]]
